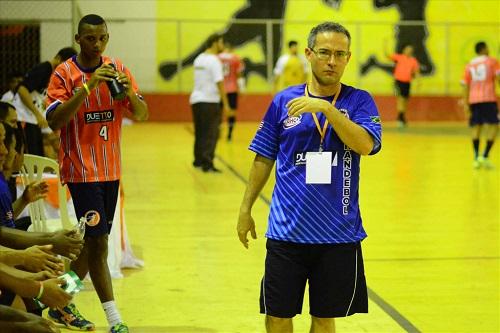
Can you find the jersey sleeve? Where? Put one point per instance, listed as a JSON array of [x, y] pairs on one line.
[[466, 78], [59, 90], [496, 67], [266, 140], [280, 64], [394, 57], [366, 115]]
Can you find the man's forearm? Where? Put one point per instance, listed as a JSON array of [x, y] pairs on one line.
[[259, 174], [21, 286], [10, 256], [350, 133], [139, 108], [20, 239], [27, 100], [64, 112]]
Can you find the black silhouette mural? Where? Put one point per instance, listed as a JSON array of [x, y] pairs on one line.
[[406, 34], [238, 34]]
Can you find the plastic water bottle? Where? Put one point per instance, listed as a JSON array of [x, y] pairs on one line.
[[80, 227], [116, 88]]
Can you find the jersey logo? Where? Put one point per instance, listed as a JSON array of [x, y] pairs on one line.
[[261, 125], [92, 218], [375, 119], [291, 122], [99, 116], [299, 158]]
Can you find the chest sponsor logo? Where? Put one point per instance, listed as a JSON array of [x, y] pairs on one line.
[[99, 116], [291, 122]]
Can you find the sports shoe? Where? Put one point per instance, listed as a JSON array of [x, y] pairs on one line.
[[70, 317], [485, 162], [476, 164], [119, 328]]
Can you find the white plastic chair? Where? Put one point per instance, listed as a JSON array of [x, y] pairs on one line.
[[33, 170]]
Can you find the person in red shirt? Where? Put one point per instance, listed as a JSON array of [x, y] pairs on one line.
[[81, 105], [480, 100], [406, 69], [233, 78]]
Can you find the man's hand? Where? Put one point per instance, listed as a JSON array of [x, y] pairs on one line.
[[41, 258], [104, 73], [35, 191], [300, 105], [245, 224], [41, 121], [53, 295], [125, 80], [67, 244]]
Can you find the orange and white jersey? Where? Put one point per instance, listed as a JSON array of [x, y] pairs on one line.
[[232, 66], [480, 75], [90, 142]]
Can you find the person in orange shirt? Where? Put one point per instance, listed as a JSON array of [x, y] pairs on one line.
[[480, 100], [406, 69], [89, 116]]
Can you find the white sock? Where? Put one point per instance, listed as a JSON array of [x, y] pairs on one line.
[[112, 313]]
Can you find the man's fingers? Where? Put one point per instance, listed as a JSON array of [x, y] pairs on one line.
[[253, 233], [243, 238]]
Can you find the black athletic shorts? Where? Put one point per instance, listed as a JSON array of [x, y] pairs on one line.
[[96, 202], [335, 273], [232, 99], [483, 113], [402, 89]]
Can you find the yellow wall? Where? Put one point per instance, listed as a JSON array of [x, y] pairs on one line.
[[453, 26]]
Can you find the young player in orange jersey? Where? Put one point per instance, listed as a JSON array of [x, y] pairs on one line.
[[406, 69], [480, 101], [82, 107]]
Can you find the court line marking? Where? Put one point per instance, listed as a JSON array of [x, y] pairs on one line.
[[386, 307], [433, 259]]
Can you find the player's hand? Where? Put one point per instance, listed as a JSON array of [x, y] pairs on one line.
[[53, 295], [104, 73], [35, 191], [304, 104], [125, 80], [41, 258], [66, 244], [228, 112], [245, 224]]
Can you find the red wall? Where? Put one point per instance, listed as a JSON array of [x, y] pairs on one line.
[[175, 107]]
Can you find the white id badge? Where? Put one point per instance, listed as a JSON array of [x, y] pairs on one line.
[[319, 167]]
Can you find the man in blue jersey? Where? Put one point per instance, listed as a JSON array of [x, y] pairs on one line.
[[316, 133]]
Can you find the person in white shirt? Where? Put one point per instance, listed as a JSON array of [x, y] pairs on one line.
[[205, 100]]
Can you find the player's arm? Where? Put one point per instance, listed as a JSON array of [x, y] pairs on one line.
[[138, 107], [27, 100], [223, 97], [64, 112], [350, 133], [259, 174]]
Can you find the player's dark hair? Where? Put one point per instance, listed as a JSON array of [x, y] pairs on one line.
[[326, 27], [292, 43], [66, 53], [91, 19], [480, 46], [212, 39]]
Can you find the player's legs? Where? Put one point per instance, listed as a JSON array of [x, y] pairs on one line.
[[402, 95], [322, 325], [278, 325], [232, 99]]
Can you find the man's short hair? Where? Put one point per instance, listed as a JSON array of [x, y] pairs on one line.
[[480, 46], [66, 53], [326, 27], [91, 19], [292, 43], [212, 39]]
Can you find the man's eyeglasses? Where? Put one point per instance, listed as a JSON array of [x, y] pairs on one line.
[[323, 54]]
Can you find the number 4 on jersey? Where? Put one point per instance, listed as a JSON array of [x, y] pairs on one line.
[[104, 132]]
